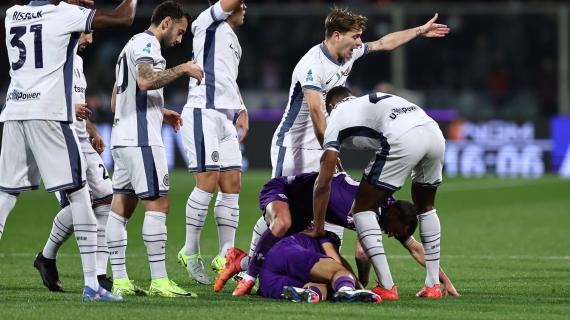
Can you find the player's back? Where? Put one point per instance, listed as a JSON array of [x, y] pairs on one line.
[[138, 113], [41, 41], [368, 121], [218, 52], [316, 70]]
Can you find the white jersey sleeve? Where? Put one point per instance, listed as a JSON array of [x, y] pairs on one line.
[[144, 50], [360, 51], [76, 18], [215, 13], [310, 74]]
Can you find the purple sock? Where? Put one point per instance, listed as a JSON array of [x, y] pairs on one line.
[[343, 282], [265, 243]]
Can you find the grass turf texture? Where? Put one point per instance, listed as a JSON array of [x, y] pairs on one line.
[[505, 246]]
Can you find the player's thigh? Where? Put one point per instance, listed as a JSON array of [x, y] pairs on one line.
[[393, 163], [230, 157], [200, 139], [18, 169], [428, 171], [98, 179], [56, 148], [230, 181]]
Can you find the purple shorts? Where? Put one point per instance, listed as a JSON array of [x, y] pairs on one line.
[[288, 263]]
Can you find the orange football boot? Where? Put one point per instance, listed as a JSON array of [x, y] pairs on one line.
[[386, 294], [231, 268], [430, 293], [243, 288]]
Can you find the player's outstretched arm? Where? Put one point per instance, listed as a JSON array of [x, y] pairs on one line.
[[396, 39], [322, 190], [314, 99], [417, 251], [148, 79], [122, 16]]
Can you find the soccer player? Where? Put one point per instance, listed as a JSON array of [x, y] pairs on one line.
[[290, 198], [141, 170], [214, 115], [406, 140], [98, 181], [297, 142], [38, 141], [302, 269]]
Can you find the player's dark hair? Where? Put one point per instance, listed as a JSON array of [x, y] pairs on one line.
[[170, 8], [343, 20], [336, 94], [408, 215]]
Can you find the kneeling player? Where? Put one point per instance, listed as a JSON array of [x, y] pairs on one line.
[[302, 269]]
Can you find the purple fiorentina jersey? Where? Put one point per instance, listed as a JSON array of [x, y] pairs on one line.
[[298, 192]]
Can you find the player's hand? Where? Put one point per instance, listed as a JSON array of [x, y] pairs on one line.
[[313, 233], [432, 29], [192, 70], [82, 112], [85, 3], [242, 125], [98, 144], [173, 118], [449, 290]]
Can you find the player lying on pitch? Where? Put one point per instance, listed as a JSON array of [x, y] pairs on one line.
[[286, 203], [304, 269]]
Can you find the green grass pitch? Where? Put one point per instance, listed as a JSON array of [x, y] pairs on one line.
[[505, 246]]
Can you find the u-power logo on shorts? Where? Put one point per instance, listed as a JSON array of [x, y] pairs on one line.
[[17, 95]]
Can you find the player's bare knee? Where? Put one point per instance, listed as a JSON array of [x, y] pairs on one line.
[[280, 225]]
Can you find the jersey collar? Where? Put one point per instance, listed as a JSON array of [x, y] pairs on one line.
[[37, 3], [329, 56]]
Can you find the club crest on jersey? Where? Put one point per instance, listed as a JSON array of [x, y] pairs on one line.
[[147, 48], [166, 180], [310, 75], [215, 156]]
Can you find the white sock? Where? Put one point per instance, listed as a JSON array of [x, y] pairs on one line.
[[102, 215], [7, 203], [117, 244], [430, 234], [370, 235], [85, 229], [61, 229], [259, 228], [196, 212], [154, 237], [226, 212]]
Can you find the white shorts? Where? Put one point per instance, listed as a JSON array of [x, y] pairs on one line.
[[210, 140], [418, 152], [287, 161], [40, 149], [140, 170], [98, 180]]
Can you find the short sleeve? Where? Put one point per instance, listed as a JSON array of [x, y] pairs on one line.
[[332, 131], [310, 75], [213, 14], [75, 18], [360, 51], [144, 50]]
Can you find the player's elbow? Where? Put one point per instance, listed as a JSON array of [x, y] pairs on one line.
[[143, 84]]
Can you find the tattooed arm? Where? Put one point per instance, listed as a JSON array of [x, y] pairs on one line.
[[148, 79]]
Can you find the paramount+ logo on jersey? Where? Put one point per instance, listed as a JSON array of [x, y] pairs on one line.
[[18, 96]]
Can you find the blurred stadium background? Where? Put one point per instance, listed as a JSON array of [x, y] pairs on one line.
[[498, 85]]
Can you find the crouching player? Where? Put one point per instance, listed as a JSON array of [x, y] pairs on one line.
[[302, 269]]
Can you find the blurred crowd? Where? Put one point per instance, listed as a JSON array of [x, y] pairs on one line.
[[500, 65]]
